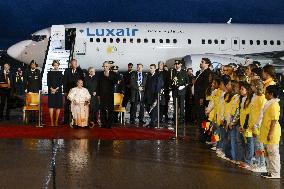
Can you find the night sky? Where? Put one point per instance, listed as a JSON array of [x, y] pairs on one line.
[[20, 18]]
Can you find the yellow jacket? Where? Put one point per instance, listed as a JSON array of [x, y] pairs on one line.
[[243, 113], [219, 102], [267, 83], [271, 112], [256, 105]]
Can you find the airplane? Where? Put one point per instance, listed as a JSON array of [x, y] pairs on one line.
[[148, 43]]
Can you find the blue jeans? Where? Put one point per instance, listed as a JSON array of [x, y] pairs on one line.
[[249, 150], [234, 135], [221, 132], [258, 146]]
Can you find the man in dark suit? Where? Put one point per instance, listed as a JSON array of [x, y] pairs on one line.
[[153, 86], [164, 94], [71, 76], [179, 82], [107, 80], [200, 86], [32, 79], [91, 83], [137, 84], [126, 82], [6, 86]]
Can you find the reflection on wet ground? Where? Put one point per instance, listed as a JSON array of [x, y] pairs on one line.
[[33, 163]]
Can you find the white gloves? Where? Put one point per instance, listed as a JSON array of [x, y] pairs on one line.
[[181, 87]]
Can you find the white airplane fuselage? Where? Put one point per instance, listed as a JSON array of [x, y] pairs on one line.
[[148, 43]]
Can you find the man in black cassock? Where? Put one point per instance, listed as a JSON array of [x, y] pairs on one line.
[[71, 76], [106, 82], [91, 83]]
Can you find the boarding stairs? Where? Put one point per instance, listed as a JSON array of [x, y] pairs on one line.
[[60, 48]]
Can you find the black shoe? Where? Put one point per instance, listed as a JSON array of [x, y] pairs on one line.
[[132, 122], [7, 118], [142, 122]]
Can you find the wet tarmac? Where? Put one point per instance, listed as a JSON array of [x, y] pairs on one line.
[[34, 163]]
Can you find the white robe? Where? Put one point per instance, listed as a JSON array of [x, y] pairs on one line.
[[80, 111]]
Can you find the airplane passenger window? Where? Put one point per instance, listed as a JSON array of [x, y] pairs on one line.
[[257, 42], [131, 40], [209, 41], [167, 41], [222, 41], [104, 40], [174, 40], [111, 40], [145, 40], [153, 40], [235, 42], [278, 42], [216, 41], [98, 40], [138, 40], [251, 42], [265, 42], [124, 40], [161, 40], [117, 40], [271, 42], [203, 41], [243, 42], [91, 39], [189, 41]]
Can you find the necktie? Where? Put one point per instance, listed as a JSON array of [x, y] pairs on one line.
[[139, 78]]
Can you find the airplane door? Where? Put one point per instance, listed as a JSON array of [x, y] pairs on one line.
[[224, 44], [80, 42], [235, 43]]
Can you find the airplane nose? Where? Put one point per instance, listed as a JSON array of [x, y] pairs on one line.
[[17, 51]]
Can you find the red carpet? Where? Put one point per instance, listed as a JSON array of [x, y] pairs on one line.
[[64, 132]]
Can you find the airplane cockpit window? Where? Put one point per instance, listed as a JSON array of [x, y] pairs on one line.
[[243, 42], [91, 40], [153, 40], [216, 41], [124, 40], [111, 40], [174, 40], [265, 42], [209, 41], [104, 40], [117, 40], [38, 38], [98, 40], [131, 40], [189, 41], [161, 40], [251, 42], [278, 42], [271, 42], [167, 41], [145, 40], [203, 41], [138, 40], [222, 41], [257, 42]]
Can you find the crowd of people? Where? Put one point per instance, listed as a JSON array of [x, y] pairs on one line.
[[241, 118], [236, 108]]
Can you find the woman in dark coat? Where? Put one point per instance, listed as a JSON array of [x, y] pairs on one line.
[[54, 83]]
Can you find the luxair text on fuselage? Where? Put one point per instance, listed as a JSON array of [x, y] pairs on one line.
[[127, 32]]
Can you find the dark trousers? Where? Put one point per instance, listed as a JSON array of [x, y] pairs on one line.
[[4, 101], [200, 116], [153, 115], [107, 118], [67, 112], [180, 100], [126, 98], [133, 110]]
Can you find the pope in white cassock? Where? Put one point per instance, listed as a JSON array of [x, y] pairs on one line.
[[80, 100]]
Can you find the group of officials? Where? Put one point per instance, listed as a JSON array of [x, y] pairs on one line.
[[141, 88]]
